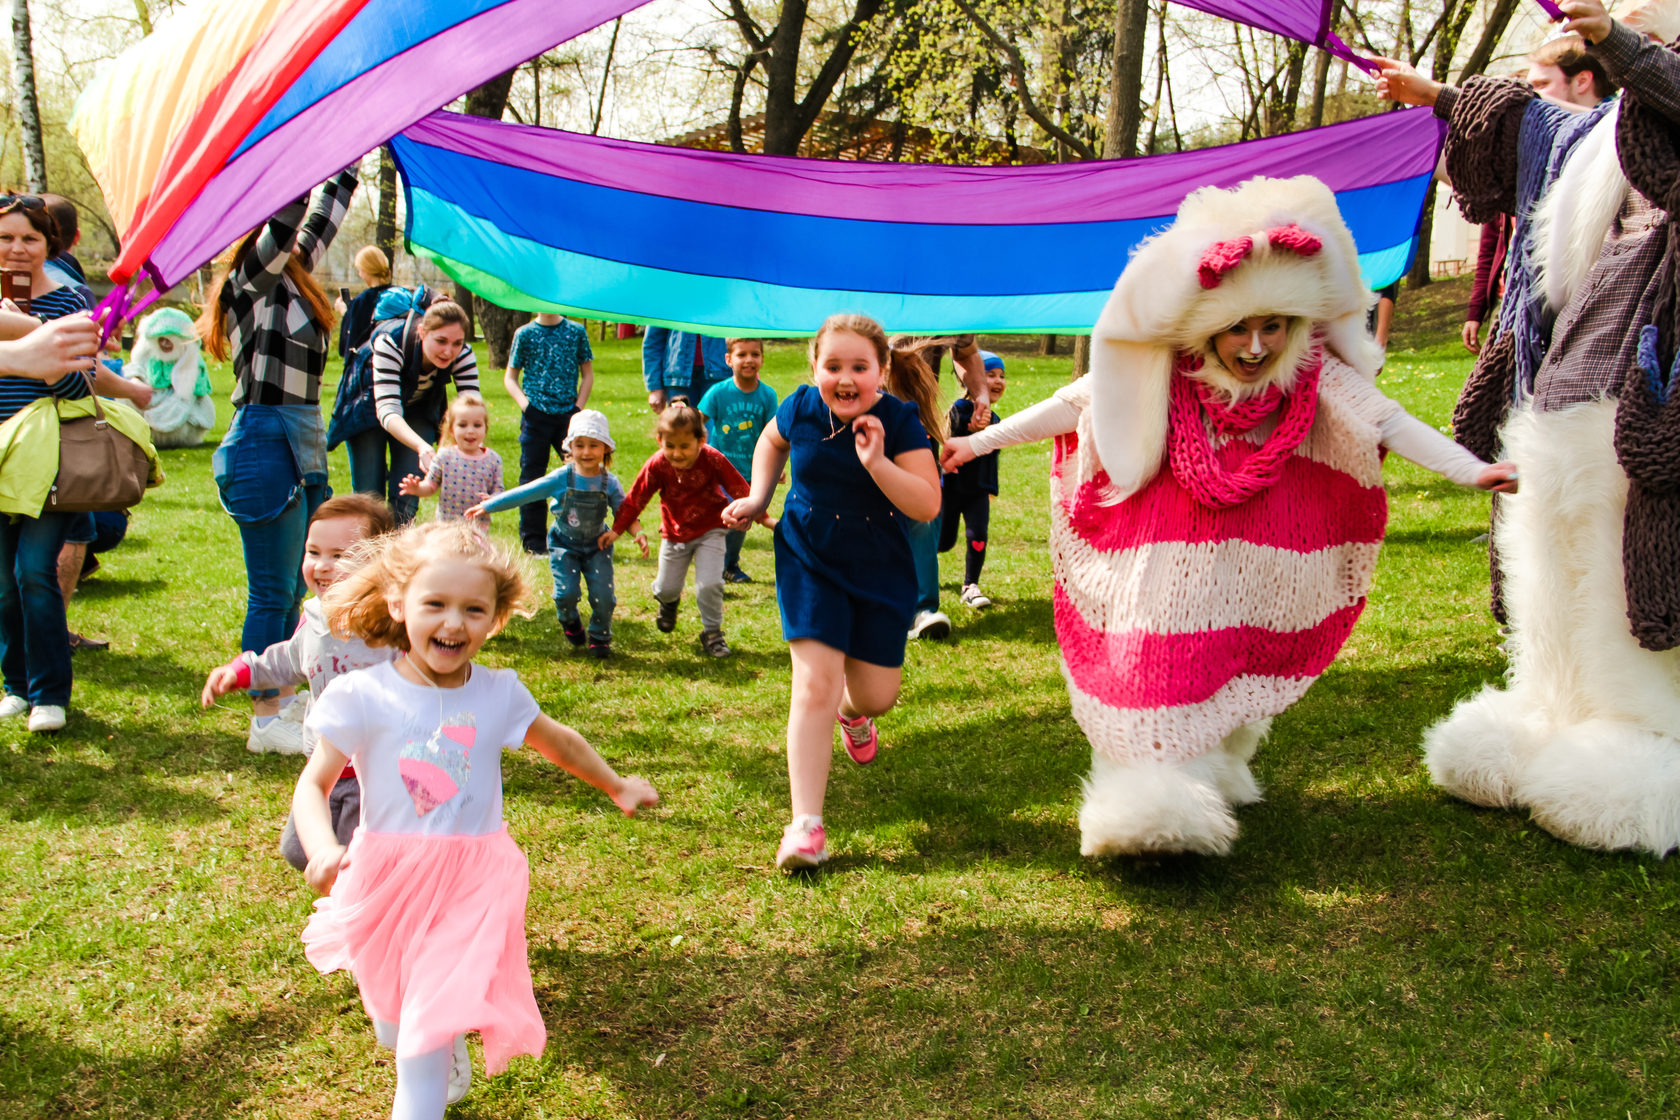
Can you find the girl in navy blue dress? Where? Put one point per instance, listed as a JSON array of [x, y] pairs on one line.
[[845, 580]]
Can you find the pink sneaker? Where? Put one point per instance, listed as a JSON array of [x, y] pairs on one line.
[[804, 844], [861, 738]]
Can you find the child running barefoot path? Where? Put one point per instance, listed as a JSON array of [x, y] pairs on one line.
[[694, 482], [465, 472], [583, 494], [845, 578], [427, 903], [314, 655]]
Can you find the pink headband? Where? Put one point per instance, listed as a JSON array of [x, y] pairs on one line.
[[1222, 256]]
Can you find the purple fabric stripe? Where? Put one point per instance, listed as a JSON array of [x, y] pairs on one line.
[[364, 113], [1306, 20], [1092, 191]]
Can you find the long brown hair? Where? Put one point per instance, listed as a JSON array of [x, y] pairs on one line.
[[212, 321], [905, 373]]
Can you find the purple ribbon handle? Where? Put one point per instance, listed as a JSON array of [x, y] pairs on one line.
[[1551, 9]]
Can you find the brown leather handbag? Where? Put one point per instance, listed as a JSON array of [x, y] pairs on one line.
[[99, 468]]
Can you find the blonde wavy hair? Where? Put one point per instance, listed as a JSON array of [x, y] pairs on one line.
[[359, 605]]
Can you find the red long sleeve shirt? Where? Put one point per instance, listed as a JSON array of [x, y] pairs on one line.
[[691, 502]]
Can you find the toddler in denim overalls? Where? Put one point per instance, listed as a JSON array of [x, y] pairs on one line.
[[582, 495]]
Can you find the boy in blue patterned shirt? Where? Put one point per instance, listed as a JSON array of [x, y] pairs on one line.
[[735, 412], [558, 366]]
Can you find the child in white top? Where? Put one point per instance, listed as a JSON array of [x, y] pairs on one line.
[[427, 903], [314, 655], [465, 471]]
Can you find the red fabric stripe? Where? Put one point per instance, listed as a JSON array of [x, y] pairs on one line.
[[1136, 669], [221, 122], [1311, 507]]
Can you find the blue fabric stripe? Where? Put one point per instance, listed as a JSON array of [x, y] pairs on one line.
[[528, 275], [379, 32], [805, 251]]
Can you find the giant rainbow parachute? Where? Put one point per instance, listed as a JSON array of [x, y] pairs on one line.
[[232, 108]]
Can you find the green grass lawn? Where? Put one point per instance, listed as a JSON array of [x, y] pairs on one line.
[[1370, 948]]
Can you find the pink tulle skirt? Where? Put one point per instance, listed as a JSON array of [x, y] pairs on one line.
[[433, 929]]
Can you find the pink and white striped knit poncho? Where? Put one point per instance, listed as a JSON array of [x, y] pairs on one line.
[[1182, 618]]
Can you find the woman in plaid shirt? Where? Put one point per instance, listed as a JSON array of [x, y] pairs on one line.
[[274, 320]]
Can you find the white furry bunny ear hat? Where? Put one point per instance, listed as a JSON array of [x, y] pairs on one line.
[[1266, 247]]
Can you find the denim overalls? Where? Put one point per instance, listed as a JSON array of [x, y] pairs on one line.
[[580, 517]]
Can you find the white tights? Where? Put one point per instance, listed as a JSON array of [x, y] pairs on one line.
[[422, 1081]]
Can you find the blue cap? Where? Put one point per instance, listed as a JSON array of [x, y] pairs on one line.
[[991, 360]]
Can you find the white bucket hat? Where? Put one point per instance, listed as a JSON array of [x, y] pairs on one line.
[[589, 424]]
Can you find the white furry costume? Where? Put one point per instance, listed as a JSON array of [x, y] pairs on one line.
[[1198, 593], [1584, 734], [168, 356]]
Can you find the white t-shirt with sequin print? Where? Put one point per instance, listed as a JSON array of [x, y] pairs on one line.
[[429, 759]]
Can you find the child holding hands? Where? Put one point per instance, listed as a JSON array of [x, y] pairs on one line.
[[582, 495], [694, 482], [426, 905], [465, 472], [862, 466]]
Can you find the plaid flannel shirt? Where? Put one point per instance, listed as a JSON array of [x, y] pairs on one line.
[[279, 351]]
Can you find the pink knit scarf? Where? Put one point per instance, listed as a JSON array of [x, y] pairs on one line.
[[1190, 450]]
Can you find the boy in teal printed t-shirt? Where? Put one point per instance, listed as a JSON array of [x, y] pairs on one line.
[[550, 373], [736, 411]]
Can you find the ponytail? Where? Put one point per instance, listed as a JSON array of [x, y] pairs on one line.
[[910, 378]]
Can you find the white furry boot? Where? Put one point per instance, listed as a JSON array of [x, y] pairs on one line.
[[1149, 807], [1584, 735]]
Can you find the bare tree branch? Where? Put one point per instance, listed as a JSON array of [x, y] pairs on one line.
[[1017, 69]]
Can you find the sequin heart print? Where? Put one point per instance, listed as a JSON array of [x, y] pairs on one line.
[[434, 771]]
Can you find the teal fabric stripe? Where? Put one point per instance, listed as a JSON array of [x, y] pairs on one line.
[[526, 275]]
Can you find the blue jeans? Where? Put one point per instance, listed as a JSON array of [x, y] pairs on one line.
[[924, 547], [271, 500], [539, 433], [594, 566], [732, 541], [34, 644], [406, 461], [367, 451]]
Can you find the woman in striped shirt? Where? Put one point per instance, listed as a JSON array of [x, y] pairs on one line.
[[34, 639], [275, 322], [413, 363]]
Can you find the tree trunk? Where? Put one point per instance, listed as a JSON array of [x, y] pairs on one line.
[[1494, 30], [1419, 276], [385, 224], [1125, 113], [29, 110], [496, 323], [142, 14]]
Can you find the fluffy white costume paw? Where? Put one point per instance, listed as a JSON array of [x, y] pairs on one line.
[[1605, 784], [1145, 807], [1474, 753]]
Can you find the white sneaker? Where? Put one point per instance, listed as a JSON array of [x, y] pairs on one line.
[[13, 706], [933, 625], [974, 598], [46, 717], [281, 735], [460, 1071]]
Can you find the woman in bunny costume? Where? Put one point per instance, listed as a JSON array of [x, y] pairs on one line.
[[1216, 503]]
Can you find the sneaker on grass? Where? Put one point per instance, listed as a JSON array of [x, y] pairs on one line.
[[804, 844], [13, 706], [667, 620], [932, 625], [46, 717]]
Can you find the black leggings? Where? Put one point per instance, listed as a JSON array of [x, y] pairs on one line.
[[975, 509]]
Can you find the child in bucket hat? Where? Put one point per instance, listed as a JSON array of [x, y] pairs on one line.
[[583, 496]]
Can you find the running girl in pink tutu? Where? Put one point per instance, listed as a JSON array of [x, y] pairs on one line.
[[427, 904]]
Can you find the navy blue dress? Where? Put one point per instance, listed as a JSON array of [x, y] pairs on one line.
[[844, 572]]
